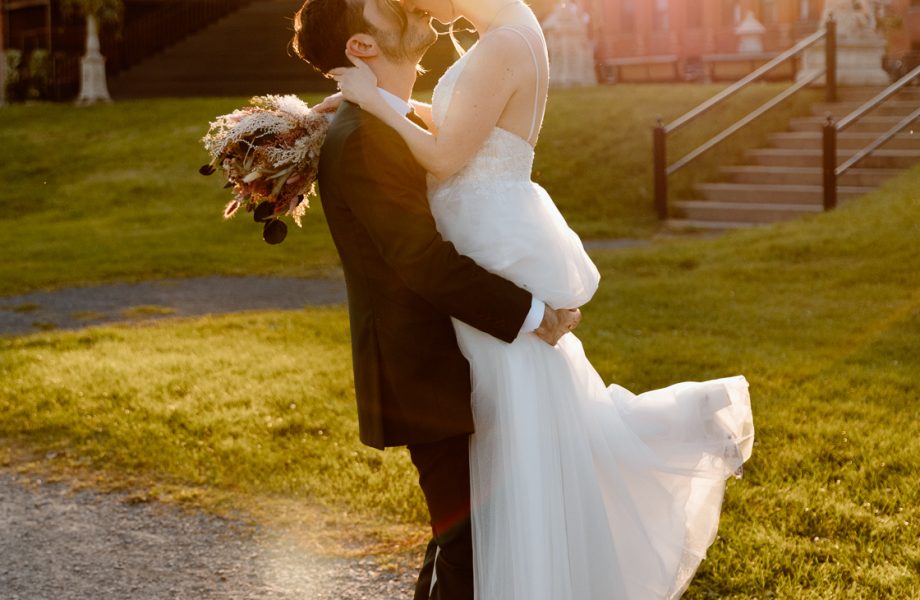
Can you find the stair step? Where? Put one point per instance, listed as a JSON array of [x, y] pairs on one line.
[[841, 109], [244, 53], [869, 123], [690, 224], [857, 94], [786, 181], [805, 175], [229, 89], [159, 80], [863, 94], [855, 140], [773, 194], [811, 157], [742, 212]]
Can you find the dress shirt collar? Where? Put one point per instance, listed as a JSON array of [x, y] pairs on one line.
[[397, 103]]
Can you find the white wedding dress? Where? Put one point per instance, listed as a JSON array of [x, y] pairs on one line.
[[580, 491]]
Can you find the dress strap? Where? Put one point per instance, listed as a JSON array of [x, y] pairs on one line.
[[537, 71]]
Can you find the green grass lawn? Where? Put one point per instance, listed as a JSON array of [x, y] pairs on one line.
[[821, 315], [112, 192]]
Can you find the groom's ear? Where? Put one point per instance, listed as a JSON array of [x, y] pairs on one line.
[[362, 45]]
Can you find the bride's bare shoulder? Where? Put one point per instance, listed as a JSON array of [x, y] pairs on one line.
[[502, 46]]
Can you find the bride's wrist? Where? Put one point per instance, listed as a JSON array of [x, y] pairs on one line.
[[375, 104]]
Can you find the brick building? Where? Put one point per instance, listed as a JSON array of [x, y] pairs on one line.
[[687, 30]]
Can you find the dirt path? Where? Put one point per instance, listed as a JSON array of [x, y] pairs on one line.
[[63, 545]]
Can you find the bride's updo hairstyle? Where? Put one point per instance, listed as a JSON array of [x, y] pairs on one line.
[[322, 29]]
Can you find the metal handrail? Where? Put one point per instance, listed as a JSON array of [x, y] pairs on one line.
[[830, 170], [888, 92], [661, 170], [745, 81], [746, 120], [880, 141]]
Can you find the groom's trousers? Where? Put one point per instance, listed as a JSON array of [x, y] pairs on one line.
[[444, 476]]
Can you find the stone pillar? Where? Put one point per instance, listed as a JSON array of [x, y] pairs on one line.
[[571, 54], [860, 46], [93, 86]]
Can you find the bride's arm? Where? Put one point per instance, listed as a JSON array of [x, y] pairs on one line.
[[486, 83], [331, 103], [424, 113]]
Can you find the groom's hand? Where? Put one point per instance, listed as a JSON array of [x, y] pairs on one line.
[[557, 323]]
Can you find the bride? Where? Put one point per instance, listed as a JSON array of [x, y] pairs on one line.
[[579, 490]]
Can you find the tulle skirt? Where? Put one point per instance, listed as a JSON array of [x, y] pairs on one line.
[[580, 491]]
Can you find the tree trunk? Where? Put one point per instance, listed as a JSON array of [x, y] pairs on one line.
[[93, 87]]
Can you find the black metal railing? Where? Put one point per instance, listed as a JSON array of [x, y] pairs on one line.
[[662, 170], [831, 171]]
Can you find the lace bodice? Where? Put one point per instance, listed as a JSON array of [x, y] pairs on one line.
[[504, 156]]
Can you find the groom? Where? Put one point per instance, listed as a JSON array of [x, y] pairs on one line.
[[404, 281]]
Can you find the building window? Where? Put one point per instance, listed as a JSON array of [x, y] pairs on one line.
[[628, 16], [660, 17], [694, 14]]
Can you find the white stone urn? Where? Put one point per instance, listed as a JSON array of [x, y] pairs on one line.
[[571, 53], [750, 35]]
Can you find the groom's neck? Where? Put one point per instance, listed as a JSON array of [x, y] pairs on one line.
[[396, 78]]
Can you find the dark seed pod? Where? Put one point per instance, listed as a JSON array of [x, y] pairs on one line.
[[264, 211], [207, 169], [274, 232]]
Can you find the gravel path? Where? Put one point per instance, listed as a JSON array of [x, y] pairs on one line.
[[63, 545], [73, 308]]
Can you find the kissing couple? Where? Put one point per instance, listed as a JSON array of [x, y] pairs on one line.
[[464, 283]]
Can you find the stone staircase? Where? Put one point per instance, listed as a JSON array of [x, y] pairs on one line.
[[244, 53], [783, 181]]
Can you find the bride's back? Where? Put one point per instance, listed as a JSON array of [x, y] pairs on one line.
[[523, 114], [518, 49]]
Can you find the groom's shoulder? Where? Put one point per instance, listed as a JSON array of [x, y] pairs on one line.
[[353, 126]]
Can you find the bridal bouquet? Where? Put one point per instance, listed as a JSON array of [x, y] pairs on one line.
[[269, 152]]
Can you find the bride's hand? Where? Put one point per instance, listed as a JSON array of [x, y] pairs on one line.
[[358, 84], [330, 103]]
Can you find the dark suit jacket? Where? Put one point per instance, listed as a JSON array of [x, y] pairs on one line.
[[404, 283]]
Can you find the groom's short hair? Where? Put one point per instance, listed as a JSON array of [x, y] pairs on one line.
[[322, 29]]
